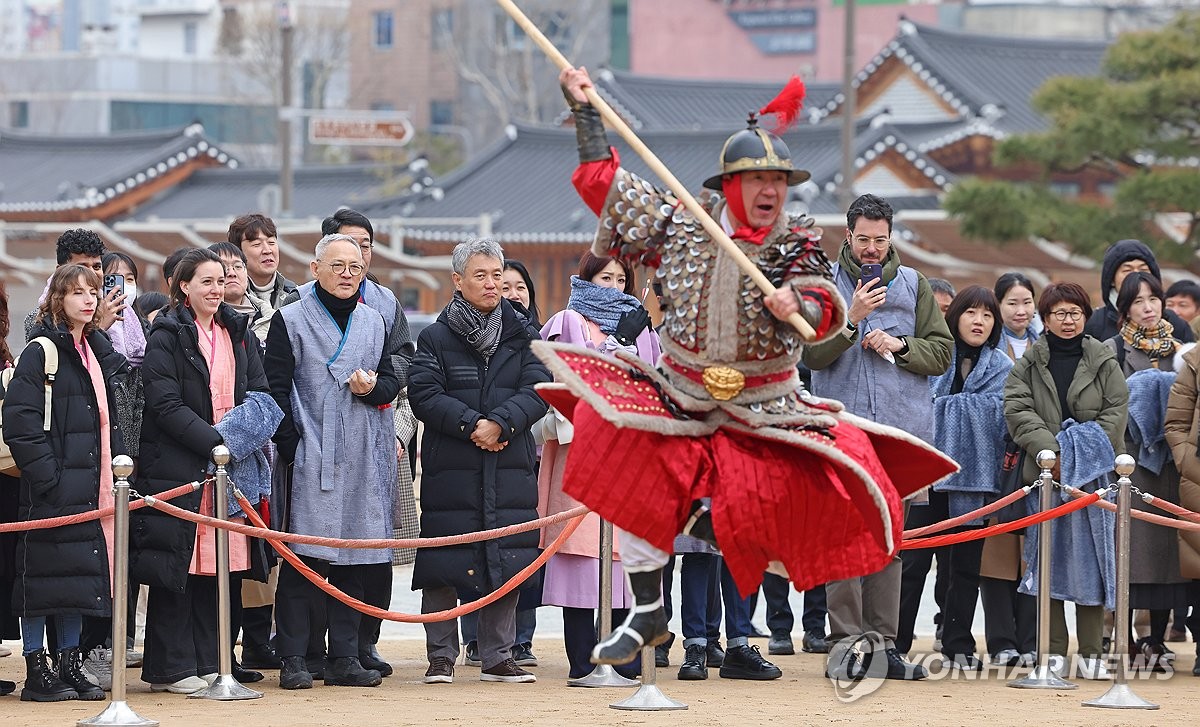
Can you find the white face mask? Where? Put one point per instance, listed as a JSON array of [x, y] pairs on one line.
[[131, 294]]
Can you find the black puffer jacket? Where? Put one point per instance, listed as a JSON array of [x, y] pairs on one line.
[[178, 436], [464, 488], [1104, 322], [64, 569]]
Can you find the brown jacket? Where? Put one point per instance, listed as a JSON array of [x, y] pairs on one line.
[[1182, 428]]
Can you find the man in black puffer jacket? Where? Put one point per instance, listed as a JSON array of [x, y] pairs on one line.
[[1123, 258], [472, 384]]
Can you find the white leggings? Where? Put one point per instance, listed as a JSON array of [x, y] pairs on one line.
[[639, 556]]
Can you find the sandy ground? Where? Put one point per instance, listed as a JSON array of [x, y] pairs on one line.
[[802, 696]]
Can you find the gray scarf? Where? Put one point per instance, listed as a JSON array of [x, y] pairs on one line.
[[482, 332]]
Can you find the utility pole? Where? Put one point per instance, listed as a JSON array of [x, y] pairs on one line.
[[846, 189], [285, 109]]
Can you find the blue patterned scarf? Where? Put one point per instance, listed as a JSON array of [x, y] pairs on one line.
[[603, 306]]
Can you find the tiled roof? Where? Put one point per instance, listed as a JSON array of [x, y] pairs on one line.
[[985, 75], [54, 173], [524, 180], [653, 102], [317, 191]]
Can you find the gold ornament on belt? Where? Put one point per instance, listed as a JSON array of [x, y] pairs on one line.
[[723, 382]]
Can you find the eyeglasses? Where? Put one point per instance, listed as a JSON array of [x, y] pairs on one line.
[[340, 267], [1063, 315], [234, 267], [877, 242]]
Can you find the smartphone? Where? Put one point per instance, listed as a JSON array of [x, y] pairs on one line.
[[113, 282], [871, 271]]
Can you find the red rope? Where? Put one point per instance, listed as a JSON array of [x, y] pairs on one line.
[[1171, 507], [938, 527], [1144, 516], [365, 544], [413, 618], [940, 540], [83, 517]]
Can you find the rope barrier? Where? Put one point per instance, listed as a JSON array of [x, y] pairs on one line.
[[1140, 515], [364, 544], [984, 511], [1064, 509], [1171, 507], [412, 618], [83, 517]]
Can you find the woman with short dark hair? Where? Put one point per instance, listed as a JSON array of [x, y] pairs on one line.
[[968, 425], [1067, 381]]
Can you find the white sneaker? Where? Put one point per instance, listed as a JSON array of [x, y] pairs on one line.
[[1006, 657], [1094, 669], [5, 651], [97, 667], [187, 685], [209, 678]]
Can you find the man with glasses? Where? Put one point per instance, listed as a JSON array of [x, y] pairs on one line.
[[84, 247], [894, 339], [401, 349], [237, 287], [331, 373]]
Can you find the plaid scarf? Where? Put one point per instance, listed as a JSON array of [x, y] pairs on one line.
[[1154, 342], [482, 332]]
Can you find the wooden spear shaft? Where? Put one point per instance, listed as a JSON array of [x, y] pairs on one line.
[[689, 202]]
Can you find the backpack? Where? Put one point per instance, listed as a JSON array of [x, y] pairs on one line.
[[7, 465]]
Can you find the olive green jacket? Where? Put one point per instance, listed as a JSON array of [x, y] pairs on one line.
[[928, 348], [1097, 393]]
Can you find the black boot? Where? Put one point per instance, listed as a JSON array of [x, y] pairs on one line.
[[369, 658], [645, 626], [70, 672], [7, 687], [42, 684], [345, 671], [294, 673]]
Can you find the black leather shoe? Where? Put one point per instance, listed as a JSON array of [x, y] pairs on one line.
[[294, 673], [693, 669], [244, 675], [662, 652], [898, 668], [714, 654], [316, 665], [781, 645], [369, 658], [7, 687], [261, 657], [747, 662], [345, 671], [814, 643]]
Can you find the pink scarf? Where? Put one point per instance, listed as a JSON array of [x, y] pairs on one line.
[[106, 476]]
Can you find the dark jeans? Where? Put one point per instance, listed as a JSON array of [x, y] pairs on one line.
[[776, 590], [1009, 617], [737, 609], [962, 589], [700, 595], [815, 611]]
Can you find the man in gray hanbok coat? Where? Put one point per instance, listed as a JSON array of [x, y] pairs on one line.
[[332, 376]]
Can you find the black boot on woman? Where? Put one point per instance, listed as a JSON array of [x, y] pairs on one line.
[[7, 687], [645, 626], [41, 683], [70, 672]]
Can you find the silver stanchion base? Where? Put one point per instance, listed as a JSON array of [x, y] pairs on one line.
[[1120, 696], [603, 676], [118, 714], [226, 689], [649, 698], [1042, 678]]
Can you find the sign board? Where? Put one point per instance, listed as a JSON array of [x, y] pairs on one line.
[[771, 19], [359, 130]]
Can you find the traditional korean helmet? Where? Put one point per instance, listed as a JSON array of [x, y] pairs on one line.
[[754, 149]]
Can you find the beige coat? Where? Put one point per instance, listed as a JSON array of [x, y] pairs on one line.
[[1182, 429]]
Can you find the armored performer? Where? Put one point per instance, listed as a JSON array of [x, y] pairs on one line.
[[728, 445]]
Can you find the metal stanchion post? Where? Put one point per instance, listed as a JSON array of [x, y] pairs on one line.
[[604, 675], [648, 697], [1042, 677], [118, 711], [225, 688], [1120, 695]]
